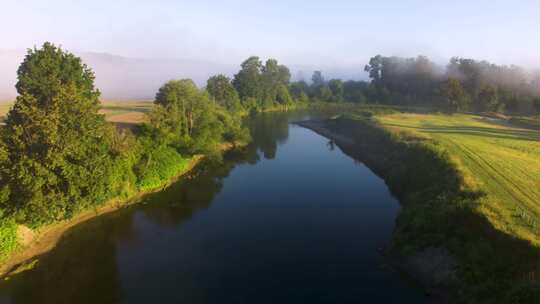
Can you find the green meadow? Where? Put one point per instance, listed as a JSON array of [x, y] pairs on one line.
[[496, 158]]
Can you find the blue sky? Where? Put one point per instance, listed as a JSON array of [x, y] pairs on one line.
[[337, 32]]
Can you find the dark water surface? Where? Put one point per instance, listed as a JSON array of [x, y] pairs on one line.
[[290, 220]]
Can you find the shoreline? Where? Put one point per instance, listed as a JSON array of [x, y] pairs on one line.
[[423, 266], [37, 242]]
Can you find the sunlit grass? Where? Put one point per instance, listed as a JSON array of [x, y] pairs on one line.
[[501, 160], [117, 107]]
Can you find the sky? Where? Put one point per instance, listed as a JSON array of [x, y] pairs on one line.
[[330, 32]]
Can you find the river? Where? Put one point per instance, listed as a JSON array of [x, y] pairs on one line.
[[290, 220]]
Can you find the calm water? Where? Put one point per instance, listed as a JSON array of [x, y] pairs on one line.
[[291, 220]]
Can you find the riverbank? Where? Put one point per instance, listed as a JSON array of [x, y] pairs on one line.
[[433, 268], [440, 238], [33, 243]]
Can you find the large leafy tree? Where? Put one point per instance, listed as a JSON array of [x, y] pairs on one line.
[[454, 95], [317, 79], [56, 144], [488, 99], [185, 117], [355, 91], [336, 87], [248, 80], [223, 92], [275, 80]]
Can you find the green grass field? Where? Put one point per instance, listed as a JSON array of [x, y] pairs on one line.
[[111, 108], [501, 160]]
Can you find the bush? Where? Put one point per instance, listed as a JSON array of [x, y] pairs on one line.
[[8, 236], [157, 166]]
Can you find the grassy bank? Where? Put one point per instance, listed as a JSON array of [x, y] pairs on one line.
[[501, 161], [446, 200], [38, 241]]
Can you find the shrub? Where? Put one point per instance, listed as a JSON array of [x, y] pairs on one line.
[[157, 166], [8, 236]]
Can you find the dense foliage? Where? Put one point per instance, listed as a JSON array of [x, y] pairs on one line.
[[222, 92], [264, 86], [186, 118], [57, 144], [464, 85], [59, 156]]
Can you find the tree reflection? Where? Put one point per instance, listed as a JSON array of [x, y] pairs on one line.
[[83, 268]]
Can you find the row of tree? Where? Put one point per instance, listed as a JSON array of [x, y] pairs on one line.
[[463, 85]]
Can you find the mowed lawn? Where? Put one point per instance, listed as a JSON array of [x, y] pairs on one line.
[[499, 159]]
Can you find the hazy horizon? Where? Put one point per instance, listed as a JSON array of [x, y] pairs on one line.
[[145, 43]]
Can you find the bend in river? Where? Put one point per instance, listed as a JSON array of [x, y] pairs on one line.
[[290, 220]]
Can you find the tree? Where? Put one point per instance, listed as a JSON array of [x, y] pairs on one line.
[[275, 81], [488, 99], [355, 91], [319, 88], [222, 91], [284, 75], [186, 118], [176, 100], [454, 95], [283, 97], [536, 103], [374, 68], [336, 87], [57, 145], [317, 79], [248, 80], [298, 87]]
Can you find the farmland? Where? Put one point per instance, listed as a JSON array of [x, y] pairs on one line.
[[120, 112], [498, 159]]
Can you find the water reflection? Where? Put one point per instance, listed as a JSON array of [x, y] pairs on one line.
[[82, 268], [286, 220]]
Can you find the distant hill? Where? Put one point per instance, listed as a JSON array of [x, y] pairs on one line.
[[132, 78]]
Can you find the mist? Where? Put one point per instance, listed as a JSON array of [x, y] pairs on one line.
[[122, 78]]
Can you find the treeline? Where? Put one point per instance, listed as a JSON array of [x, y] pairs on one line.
[[463, 85], [259, 87], [58, 154]]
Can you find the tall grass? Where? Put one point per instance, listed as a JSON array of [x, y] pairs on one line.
[[159, 166], [8, 236]]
